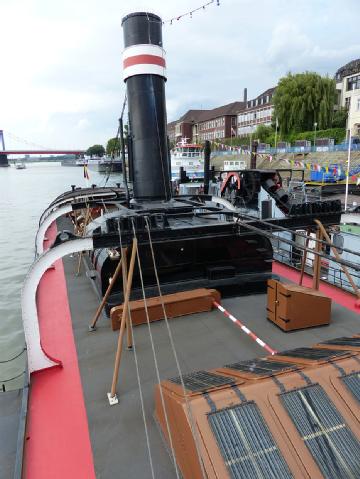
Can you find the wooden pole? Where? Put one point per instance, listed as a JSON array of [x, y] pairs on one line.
[[86, 219], [337, 256], [303, 261], [92, 326], [123, 320], [317, 260], [124, 276]]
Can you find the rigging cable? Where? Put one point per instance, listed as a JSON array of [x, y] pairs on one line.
[[191, 417], [13, 358], [116, 138], [10, 379], [139, 381], [155, 359]]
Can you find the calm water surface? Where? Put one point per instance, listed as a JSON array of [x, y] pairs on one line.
[[24, 195]]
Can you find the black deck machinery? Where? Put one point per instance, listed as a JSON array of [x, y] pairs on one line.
[[197, 241]]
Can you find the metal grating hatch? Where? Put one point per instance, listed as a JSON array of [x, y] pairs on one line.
[[312, 354], [353, 342], [246, 443], [352, 381], [262, 367], [328, 438], [202, 381]]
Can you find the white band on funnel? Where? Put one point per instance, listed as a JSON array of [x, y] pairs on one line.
[[143, 60]]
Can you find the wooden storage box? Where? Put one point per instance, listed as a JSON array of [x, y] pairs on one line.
[[291, 307], [177, 304]]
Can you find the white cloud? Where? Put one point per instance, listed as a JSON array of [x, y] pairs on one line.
[[83, 124], [61, 83], [291, 49]]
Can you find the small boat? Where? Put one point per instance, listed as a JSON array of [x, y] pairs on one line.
[[20, 166]]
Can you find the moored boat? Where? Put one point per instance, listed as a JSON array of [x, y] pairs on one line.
[[187, 158]]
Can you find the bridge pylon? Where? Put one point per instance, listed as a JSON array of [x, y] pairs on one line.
[[3, 157]]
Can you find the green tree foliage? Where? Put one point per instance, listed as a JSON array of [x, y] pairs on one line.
[[340, 117], [95, 150], [113, 147], [302, 99], [264, 133]]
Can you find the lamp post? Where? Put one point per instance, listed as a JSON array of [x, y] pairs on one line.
[[348, 158], [315, 126], [276, 130]]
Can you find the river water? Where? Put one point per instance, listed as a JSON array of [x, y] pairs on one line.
[[24, 195]]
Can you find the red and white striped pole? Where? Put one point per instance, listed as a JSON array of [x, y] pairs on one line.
[[245, 329]]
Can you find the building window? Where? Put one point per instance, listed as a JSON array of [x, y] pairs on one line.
[[358, 104], [347, 102], [353, 83]]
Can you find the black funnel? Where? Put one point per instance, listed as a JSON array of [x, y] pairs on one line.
[[144, 74]]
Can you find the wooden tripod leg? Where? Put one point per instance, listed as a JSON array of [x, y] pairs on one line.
[[337, 256], [303, 261], [86, 220], [128, 318], [112, 393], [317, 260], [108, 291]]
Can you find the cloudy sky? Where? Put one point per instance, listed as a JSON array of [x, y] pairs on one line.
[[61, 76]]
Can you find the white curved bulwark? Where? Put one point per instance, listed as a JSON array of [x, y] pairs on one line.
[[144, 59], [40, 235], [37, 357]]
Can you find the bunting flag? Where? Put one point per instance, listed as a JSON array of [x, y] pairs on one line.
[[86, 173], [191, 12], [335, 170]]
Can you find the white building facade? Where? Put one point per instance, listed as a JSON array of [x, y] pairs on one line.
[[348, 86], [258, 111]]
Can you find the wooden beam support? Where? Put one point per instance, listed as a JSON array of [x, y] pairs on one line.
[[112, 395], [92, 326]]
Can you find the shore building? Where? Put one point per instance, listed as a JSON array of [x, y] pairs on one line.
[[348, 87]]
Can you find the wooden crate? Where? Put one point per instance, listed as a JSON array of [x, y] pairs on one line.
[[178, 304], [291, 306]]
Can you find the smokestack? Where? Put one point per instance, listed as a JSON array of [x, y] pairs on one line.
[[245, 95], [144, 74]]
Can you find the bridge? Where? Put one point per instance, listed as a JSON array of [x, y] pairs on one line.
[[4, 153], [42, 152]]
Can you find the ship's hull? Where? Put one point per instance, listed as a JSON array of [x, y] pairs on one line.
[[105, 166]]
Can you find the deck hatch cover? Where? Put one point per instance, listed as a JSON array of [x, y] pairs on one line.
[[328, 438], [246, 443], [352, 381], [262, 367], [202, 381], [312, 353], [353, 342]]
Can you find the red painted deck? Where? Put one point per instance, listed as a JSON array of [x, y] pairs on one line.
[[57, 440]]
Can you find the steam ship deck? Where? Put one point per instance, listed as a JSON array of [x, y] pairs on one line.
[[102, 441], [201, 412]]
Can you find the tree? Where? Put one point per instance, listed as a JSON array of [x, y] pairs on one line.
[[340, 118], [113, 147], [95, 150], [304, 99], [263, 133]]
